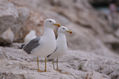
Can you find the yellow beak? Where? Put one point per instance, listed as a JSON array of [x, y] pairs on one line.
[[58, 25], [69, 31]]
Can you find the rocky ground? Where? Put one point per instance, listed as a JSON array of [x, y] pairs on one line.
[[93, 45], [16, 64]]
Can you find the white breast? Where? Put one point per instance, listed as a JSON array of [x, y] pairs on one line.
[[47, 45], [61, 47]]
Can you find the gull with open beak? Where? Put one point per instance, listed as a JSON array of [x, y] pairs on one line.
[[44, 45], [61, 47]]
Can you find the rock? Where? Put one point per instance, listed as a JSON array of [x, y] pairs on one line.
[[82, 39], [35, 22], [76, 64], [24, 14], [60, 19], [2, 56], [8, 15], [13, 18], [16, 54], [95, 75], [16, 45], [8, 36], [86, 63], [11, 76], [117, 33]]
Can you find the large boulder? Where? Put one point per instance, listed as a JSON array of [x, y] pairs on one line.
[[8, 16], [11, 21]]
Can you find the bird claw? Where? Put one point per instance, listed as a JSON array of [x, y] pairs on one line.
[[45, 70], [40, 70], [59, 70]]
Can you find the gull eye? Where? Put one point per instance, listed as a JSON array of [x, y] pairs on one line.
[[50, 21], [63, 28]]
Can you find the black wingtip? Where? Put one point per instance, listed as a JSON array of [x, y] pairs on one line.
[[48, 55], [21, 47]]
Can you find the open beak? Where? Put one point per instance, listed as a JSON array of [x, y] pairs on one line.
[[58, 25], [69, 31]]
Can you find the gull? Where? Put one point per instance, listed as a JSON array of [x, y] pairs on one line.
[[44, 45], [61, 45], [31, 35]]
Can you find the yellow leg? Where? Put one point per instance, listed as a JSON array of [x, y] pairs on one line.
[[45, 64], [53, 64], [57, 69], [57, 64], [38, 64]]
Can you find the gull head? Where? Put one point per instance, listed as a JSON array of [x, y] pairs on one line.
[[64, 29], [33, 32], [50, 23]]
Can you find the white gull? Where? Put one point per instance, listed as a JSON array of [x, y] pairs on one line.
[[44, 45], [61, 45]]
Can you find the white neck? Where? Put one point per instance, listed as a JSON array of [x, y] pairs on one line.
[[61, 39], [49, 33]]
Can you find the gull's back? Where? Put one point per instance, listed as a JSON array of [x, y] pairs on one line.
[[32, 45]]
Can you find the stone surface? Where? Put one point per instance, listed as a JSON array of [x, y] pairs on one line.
[[8, 36], [8, 15], [16, 64], [11, 17]]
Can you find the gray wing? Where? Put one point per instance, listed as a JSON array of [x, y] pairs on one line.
[[31, 45]]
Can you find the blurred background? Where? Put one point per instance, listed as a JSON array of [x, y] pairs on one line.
[[94, 41], [95, 23]]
